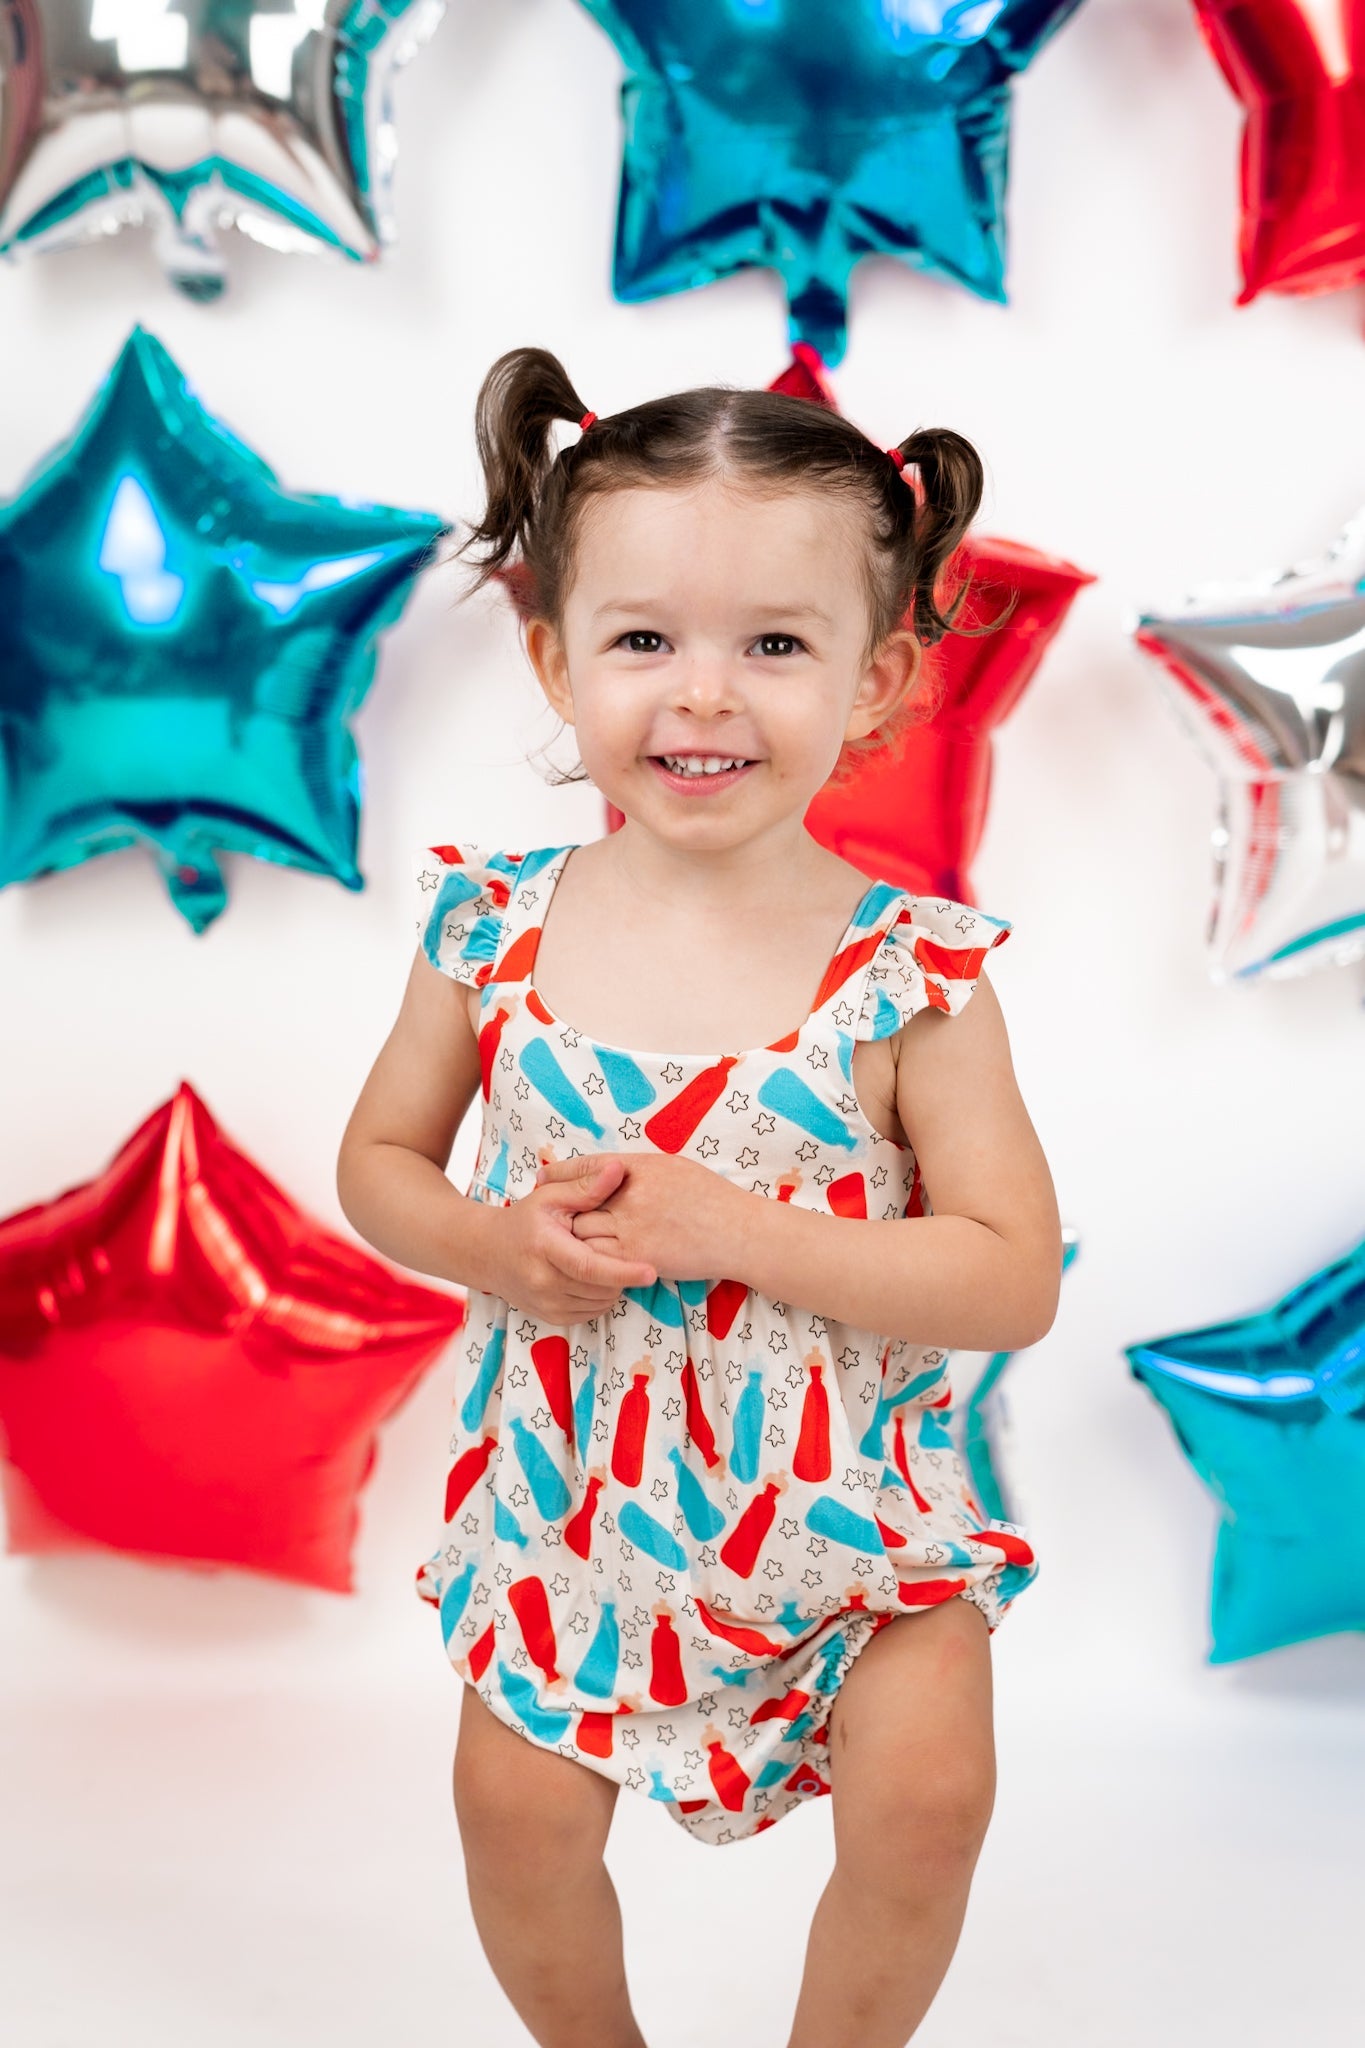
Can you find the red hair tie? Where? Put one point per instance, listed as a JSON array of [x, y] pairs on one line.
[[587, 420], [897, 457]]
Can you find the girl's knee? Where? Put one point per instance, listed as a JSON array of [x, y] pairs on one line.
[[941, 1817], [517, 1801]]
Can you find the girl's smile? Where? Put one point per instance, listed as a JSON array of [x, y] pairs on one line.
[[697, 780]]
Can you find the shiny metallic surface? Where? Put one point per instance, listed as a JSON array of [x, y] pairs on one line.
[[805, 134], [182, 643], [196, 115], [1269, 678]]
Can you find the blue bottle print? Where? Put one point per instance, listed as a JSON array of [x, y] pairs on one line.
[[552, 1497], [597, 1673], [582, 1410], [475, 1404], [786, 1094], [544, 1723], [455, 1599], [506, 1527], [829, 1517], [631, 1089], [704, 1520], [748, 1427], [549, 1079], [650, 1536]]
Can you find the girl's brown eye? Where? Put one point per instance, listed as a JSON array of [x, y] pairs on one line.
[[633, 639], [776, 643]]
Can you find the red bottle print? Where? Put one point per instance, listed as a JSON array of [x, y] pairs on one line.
[[550, 1357], [914, 1201], [594, 1731], [739, 1551], [902, 1463], [673, 1123], [727, 1773], [892, 1538], [953, 963], [750, 1639], [578, 1528], [847, 1196], [723, 1303], [812, 1460], [698, 1428], [792, 1703], [515, 964], [530, 1604], [928, 1592], [480, 1654], [489, 1040], [468, 1468], [846, 963], [632, 1420], [666, 1682]]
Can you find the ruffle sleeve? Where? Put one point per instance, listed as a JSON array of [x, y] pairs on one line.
[[462, 892], [930, 958]]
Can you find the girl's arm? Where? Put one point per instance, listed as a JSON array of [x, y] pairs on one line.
[[983, 1273], [392, 1185], [391, 1179]]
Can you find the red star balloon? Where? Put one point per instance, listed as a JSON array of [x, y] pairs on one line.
[[1296, 67], [915, 814], [193, 1369]]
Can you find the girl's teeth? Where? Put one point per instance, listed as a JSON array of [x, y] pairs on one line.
[[682, 767]]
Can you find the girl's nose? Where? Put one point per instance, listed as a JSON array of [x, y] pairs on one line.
[[706, 681]]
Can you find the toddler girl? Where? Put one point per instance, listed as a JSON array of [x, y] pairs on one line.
[[705, 1533]]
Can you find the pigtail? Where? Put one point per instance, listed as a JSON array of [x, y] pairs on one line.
[[947, 498], [524, 394]]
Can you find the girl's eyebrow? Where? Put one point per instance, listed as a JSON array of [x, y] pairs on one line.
[[766, 611]]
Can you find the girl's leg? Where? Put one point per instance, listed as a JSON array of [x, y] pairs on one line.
[[533, 1825], [912, 1774]]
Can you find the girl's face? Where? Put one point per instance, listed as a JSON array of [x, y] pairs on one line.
[[717, 622]]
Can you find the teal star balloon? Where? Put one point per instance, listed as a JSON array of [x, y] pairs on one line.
[[805, 134], [1270, 1412], [181, 644]]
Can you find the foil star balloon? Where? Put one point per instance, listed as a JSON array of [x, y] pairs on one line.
[[979, 1420], [265, 115], [804, 137], [191, 1368], [914, 815], [1270, 1412], [1269, 677], [1298, 68], [181, 644]]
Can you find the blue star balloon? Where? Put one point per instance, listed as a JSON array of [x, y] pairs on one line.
[[803, 134], [1270, 1411], [268, 115], [181, 643], [979, 1419]]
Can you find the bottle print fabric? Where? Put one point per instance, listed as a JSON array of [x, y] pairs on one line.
[[668, 1531]]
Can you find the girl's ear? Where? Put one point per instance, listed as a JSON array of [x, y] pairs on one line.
[[890, 675], [545, 652]]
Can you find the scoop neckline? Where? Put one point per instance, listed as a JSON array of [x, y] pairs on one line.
[[555, 868]]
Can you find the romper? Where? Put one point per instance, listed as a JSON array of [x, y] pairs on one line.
[[668, 1531]]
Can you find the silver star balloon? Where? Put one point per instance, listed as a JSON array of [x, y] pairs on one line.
[[1269, 677], [272, 116]]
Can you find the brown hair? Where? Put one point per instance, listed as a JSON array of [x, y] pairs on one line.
[[535, 496]]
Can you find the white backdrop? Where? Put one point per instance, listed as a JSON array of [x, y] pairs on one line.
[[228, 1797]]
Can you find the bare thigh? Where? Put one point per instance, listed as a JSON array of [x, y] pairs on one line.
[[511, 1794], [912, 1746]]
